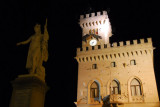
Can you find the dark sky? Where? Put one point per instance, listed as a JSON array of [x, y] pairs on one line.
[[129, 19]]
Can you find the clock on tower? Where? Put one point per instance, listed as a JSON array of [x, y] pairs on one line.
[[93, 42]]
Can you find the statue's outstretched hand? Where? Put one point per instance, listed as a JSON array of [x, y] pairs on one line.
[[18, 44]]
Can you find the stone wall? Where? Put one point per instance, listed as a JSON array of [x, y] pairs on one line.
[[121, 53]]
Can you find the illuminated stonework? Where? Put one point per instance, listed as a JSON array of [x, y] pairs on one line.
[[122, 72], [96, 24]]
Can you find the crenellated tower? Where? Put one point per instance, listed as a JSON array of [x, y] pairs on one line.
[[96, 29], [120, 73]]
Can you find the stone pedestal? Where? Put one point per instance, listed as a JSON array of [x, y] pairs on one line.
[[28, 91]]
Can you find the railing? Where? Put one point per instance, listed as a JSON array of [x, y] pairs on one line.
[[137, 99], [116, 98]]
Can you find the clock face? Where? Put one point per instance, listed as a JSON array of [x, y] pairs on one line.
[[93, 42]]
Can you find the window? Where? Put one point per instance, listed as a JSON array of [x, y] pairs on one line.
[[135, 88], [94, 66], [114, 87], [99, 46], [94, 90], [97, 31], [133, 62], [105, 45], [113, 64], [86, 48], [93, 31], [90, 31], [92, 47]]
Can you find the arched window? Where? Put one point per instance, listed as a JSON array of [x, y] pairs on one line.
[[90, 31], [93, 31], [135, 88], [115, 87], [97, 31], [94, 90]]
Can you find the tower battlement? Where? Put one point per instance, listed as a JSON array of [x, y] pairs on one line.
[[93, 19], [115, 50], [93, 15], [96, 24], [140, 42]]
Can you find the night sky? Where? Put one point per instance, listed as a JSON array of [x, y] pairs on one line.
[[129, 19]]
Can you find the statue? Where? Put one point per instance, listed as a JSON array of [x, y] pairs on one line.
[[38, 51]]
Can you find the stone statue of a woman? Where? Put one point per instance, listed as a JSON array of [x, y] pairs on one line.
[[38, 51]]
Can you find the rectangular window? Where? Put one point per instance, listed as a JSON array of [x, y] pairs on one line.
[[113, 64], [92, 47], [133, 62], [86, 48], [105, 45], [94, 66], [93, 31], [90, 31], [97, 31], [99, 46]]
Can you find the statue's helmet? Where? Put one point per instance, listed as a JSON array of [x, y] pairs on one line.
[[37, 28]]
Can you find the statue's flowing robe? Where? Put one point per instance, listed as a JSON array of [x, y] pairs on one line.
[[38, 51], [34, 52]]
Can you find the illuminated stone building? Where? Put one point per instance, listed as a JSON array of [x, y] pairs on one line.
[[122, 70]]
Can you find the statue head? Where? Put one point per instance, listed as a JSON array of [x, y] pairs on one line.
[[37, 28]]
